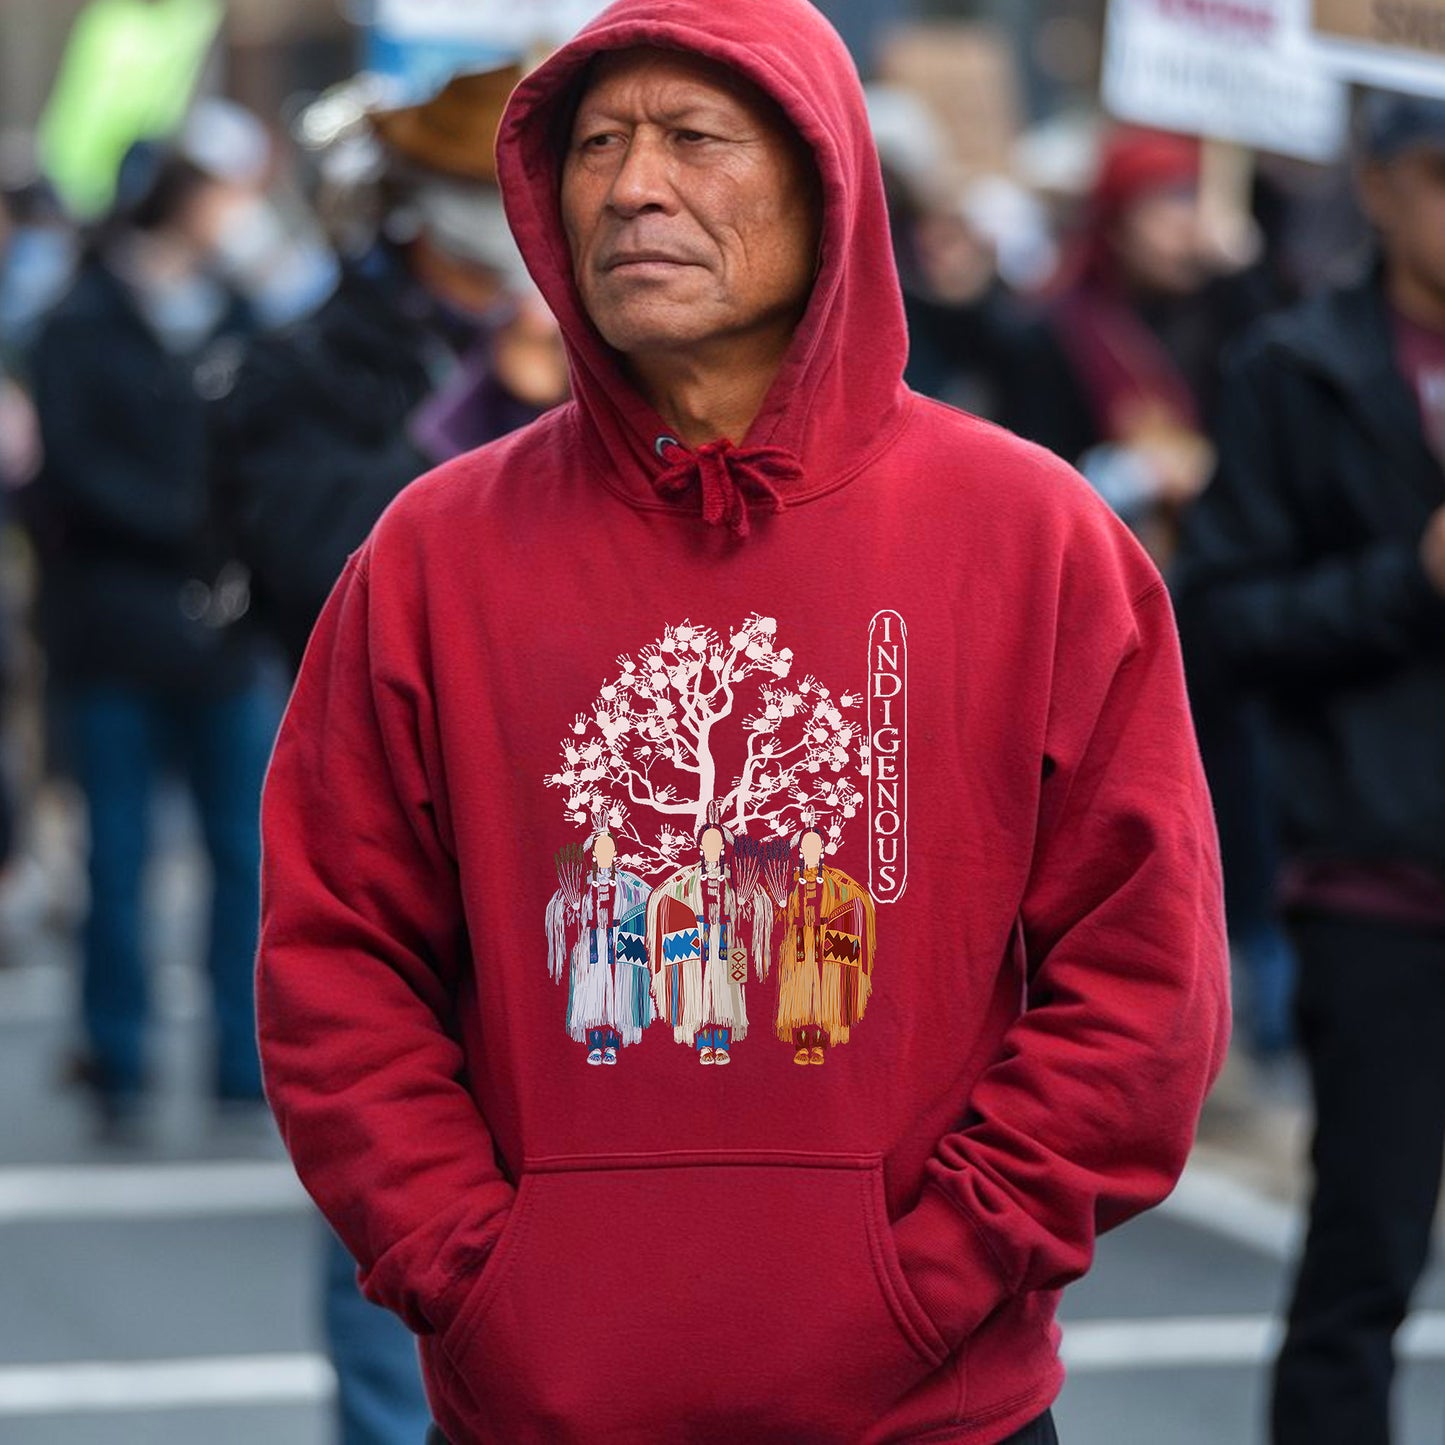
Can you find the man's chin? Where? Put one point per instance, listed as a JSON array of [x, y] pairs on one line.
[[656, 330]]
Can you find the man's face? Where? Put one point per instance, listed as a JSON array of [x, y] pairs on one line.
[[712, 845], [811, 849], [690, 207], [604, 850], [1405, 198]]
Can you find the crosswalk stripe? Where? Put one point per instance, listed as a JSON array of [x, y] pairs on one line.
[[1206, 1198], [1090, 1347], [104, 1386], [72, 1193], [1209, 1198], [1099, 1346]]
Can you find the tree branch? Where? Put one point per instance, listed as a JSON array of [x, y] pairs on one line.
[[650, 798]]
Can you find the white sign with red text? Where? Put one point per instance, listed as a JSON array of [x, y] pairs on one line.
[[505, 24], [1231, 70]]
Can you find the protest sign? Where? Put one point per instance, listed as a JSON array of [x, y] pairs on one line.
[[1231, 70]]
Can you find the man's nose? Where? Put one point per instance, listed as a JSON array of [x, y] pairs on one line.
[[643, 180]]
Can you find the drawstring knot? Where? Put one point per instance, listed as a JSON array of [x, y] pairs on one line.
[[726, 476]]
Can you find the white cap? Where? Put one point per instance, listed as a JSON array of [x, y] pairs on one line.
[[226, 141], [467, 222]]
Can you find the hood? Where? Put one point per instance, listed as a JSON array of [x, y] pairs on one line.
[[838, 398]]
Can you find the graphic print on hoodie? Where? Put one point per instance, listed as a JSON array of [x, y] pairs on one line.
[[653, 1251], [741, 864]]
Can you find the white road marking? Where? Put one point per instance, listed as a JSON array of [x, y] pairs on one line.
[[1090, 1347], [46, 993], [1095, 1346], [72, 1193], [1205, 1197], [101, 1387], [1099, 1346], [1215, 1201]]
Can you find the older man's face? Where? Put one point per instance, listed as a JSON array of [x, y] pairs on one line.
[[690, 207]]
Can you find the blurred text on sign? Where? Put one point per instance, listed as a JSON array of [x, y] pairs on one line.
[[1231, 70]]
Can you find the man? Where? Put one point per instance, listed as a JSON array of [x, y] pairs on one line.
[[761, 1253], [1316, 564]]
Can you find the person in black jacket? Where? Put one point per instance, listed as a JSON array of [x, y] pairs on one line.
[[310, 440], [1315, 563], [142, 618], [426, 348]]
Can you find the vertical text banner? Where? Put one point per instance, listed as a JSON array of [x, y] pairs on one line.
[[888, 757], [1396, 44], [1231, 70]]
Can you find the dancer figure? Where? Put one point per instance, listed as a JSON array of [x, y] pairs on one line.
[[825, 957], [608, 1000]]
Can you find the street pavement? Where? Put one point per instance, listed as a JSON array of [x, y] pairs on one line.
[[171, 1293]]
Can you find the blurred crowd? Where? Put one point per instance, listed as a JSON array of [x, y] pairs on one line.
[[220, 364], [218, 370], [212, 387]]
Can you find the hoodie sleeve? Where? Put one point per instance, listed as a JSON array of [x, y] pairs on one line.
[[363, 946], [1088, 1112]]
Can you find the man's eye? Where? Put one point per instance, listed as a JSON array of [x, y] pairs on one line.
[[691, 137], [596, 142]]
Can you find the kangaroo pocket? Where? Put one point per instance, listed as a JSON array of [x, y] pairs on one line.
[[692, 1299]]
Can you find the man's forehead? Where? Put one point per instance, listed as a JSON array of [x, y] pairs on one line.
[[690, 79]]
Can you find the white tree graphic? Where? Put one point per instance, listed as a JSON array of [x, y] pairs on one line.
[[643, 755]]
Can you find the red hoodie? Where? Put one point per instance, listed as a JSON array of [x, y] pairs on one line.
[[973, 1034]]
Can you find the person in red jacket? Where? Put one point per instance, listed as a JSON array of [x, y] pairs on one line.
[[743, 575]]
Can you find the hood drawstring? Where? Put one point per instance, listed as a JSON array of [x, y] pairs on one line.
[[726, 474]]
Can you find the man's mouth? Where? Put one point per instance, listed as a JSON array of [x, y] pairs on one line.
[[624, 259]]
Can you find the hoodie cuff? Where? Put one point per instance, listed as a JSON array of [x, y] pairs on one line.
[[446, 1301], [429, 1294], [953, 1273]]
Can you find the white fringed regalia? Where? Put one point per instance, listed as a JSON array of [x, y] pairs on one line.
[[608, 984], [699, 966]]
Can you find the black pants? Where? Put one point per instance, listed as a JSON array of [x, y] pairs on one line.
[[1041, 1432], [1372, 1025]]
